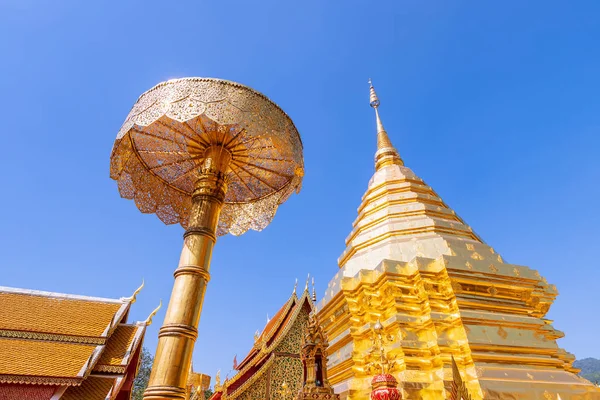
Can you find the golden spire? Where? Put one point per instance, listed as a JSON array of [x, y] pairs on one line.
[[386, 152]]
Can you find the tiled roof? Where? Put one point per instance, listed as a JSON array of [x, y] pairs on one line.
[[51, 314], [119, 345], [61, 340], [55, 339], [26, 392], [42, 358], [93, 388]]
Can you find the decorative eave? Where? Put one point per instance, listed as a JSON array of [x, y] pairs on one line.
[[52, 337], [40, 380]]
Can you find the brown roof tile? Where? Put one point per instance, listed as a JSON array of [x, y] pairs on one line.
[[55, 315], [26, 392], [42, 358], [93, 388], [118, 345]]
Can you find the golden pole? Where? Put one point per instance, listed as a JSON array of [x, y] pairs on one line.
[[178, 334]]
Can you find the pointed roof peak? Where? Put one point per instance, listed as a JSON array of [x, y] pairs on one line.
[[386, 152]]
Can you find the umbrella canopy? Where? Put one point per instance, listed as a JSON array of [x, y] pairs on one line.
[[160, 149]]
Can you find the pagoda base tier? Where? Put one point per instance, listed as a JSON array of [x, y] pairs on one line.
[[436, 309]]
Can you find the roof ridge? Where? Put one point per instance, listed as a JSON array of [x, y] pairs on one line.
[[41, 293]]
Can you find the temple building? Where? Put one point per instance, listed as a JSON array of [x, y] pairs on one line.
[[59, 346], [441, 292], [273, 368]]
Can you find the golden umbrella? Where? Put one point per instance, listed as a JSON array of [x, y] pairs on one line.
[[217, 157]]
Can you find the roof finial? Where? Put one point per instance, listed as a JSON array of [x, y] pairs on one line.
[[295, 286], [386, 152], [133, 297], [314, 293], [307, 280], [152, 314]]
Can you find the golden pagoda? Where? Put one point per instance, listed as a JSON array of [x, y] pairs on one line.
[[413, 263], [59, 346]]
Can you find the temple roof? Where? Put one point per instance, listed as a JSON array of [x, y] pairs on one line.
[[53, 313], [400, 216], [261, 356], [31, 359], [120, 347], [93, 388], [273, 326], [79, 345]]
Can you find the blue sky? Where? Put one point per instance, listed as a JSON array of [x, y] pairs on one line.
[[494, 104]]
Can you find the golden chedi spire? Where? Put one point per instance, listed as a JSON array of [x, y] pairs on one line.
[[412, 262], [386, 152]]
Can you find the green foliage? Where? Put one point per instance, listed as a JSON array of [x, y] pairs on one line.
[[208, 393], [141, 380], [590, 369]]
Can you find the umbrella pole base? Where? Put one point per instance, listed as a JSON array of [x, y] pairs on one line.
[[165, 393]]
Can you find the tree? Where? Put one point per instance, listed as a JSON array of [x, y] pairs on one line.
[[141, 380], [208, 393], [590, 368]]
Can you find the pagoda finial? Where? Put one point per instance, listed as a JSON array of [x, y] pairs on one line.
[[386, 152], [314, 293]]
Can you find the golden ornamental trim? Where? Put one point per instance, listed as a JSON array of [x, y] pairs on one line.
[[52, 337], [289, 324], [258, 374], [459, 389], [39, 380], [115, 369]]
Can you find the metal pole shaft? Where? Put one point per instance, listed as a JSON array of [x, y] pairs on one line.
[[178, 334]]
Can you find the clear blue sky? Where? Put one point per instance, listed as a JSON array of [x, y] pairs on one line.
[[494, 104]]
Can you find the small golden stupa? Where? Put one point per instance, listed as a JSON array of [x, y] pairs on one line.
[[442, 292]]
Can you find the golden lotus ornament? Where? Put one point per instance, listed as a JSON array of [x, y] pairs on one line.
[[216, 157]]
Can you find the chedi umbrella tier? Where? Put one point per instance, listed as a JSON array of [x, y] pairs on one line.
[[161, 148]]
